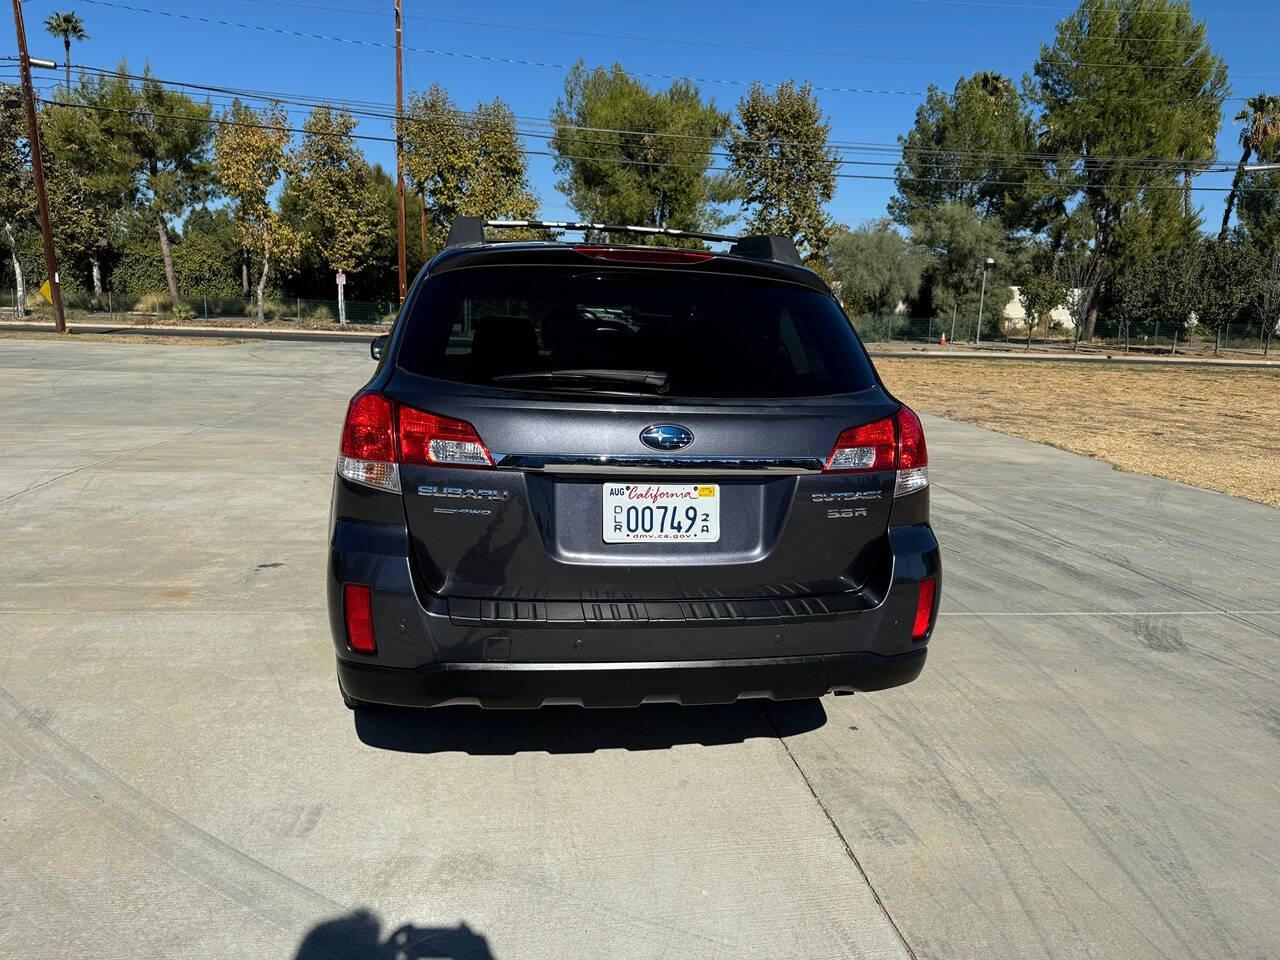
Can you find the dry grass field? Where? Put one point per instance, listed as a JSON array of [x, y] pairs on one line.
[[1214, 427]]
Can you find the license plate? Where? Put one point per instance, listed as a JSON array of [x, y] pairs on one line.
[[661, 512]]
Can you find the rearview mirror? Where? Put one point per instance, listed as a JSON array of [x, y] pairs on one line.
[[377, 347]]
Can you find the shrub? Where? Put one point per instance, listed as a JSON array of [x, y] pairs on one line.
[[157, 303], [204, 269]]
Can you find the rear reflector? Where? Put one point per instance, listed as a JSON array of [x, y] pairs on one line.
[[357, 606], [924, 608], [432, 439], [649, 255], [869, 447]]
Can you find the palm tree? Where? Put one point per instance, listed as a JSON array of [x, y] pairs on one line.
[[69, 27], [1262, 114]]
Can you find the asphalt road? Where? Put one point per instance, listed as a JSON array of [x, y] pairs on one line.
[[1087, 768], [357, 334]]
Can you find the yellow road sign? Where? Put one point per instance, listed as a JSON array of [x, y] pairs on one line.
[[46, 292]]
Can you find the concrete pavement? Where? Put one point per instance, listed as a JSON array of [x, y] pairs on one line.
[[1086, 768]]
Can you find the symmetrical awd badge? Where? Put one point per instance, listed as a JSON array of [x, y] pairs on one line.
[[666, 436]]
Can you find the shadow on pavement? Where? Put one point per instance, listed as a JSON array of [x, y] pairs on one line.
[[576, 730], [358, 936]]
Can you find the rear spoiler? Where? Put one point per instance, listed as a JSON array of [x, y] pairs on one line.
[[467, 231]]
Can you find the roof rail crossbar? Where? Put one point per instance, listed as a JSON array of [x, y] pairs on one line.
[[470, 224], [470, 230]]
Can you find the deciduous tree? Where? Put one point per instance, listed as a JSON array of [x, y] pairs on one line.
[[1040, 292], [954, 241], [250, 156], [1269, 300], [874, 267], [784, 166], [1160, 287], [466, 163], [73, 228], [335, 187], [17, 197], [1228, 282]]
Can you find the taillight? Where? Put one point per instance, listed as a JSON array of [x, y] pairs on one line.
[[869, 447], [924, 608], [357, 609], [432, 439], [643, 255], [368, 451], [368, 433], [379, 435], [894, 443], [913, 458]]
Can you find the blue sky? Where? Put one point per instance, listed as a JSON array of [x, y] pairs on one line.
[[899, 46]]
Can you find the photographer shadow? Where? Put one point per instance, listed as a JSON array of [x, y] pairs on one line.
[[358, 936], [567, 729]]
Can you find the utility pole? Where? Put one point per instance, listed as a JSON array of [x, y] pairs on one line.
[[982, 300], [37, 168], [404, 268]]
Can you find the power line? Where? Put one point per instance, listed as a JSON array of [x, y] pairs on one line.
[[1066, 9], [937, 159], [505, 22], [611, 160], [1154, 166], [935, 155], [721, 13], [283, 31]]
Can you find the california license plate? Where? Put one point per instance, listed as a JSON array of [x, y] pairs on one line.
[[661, 512]]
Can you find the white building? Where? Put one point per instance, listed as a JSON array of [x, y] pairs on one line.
[[1015, 316]]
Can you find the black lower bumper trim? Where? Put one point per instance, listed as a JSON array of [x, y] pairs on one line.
[[625, 684]]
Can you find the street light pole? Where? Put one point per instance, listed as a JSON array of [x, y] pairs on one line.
[[37, 168], [982, 299], [404, 269]]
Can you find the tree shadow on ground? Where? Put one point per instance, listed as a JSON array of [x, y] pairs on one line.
[[358, 936], [576, 730]]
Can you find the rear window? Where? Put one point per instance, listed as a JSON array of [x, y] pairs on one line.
[[702, 336]]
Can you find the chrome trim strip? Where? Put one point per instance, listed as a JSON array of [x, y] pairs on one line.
[[587, 463]]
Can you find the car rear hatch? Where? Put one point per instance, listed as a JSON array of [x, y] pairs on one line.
[[636, 433]]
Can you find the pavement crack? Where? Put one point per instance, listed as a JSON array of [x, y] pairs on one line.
[[853, 857], [136, 450]]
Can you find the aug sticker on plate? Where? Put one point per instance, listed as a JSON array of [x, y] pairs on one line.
[[661, 512]]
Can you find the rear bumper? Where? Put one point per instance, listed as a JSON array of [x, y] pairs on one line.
[[626, 684], [431, 650]]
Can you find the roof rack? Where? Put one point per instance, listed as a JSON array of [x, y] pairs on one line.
[[470, 230]]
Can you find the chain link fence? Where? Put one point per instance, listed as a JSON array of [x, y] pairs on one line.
[[160, 309], [1153, 338]]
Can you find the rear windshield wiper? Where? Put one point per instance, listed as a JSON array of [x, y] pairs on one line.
[[654, 380]]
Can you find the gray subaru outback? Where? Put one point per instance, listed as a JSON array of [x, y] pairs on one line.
[[612, 474]]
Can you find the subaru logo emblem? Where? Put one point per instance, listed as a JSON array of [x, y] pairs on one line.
[[666, 436]]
